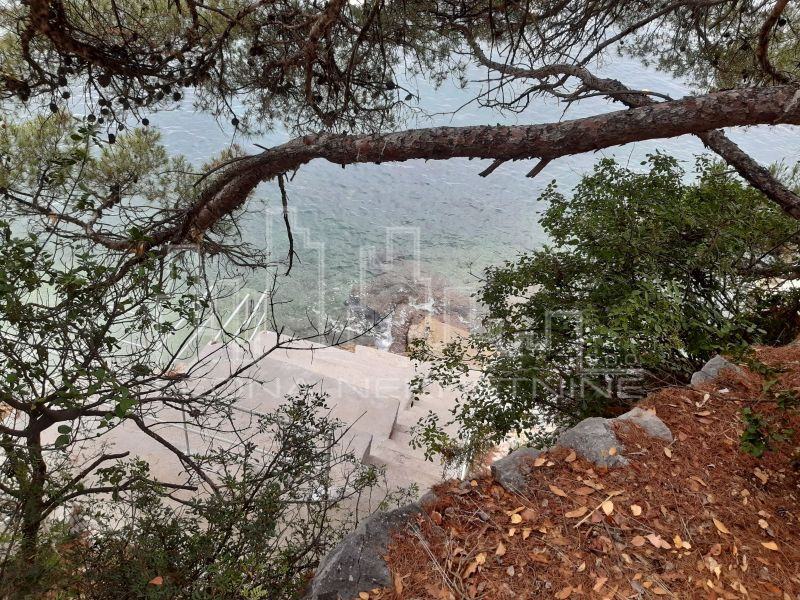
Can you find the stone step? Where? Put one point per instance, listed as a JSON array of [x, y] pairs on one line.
[[271, 380], [368, 390], [401, 436], [383, 356], [404, 468], [359, 356], [382, 378], [408, 417]]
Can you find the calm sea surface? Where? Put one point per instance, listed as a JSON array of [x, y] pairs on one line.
[[440, 213]]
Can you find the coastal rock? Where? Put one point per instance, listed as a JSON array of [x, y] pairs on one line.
[[436, 332], [512, 472], [647, 420], [357, 563], [595, 438], [399, 296], [711, 369]]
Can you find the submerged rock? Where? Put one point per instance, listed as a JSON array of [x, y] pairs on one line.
[[401, 297]]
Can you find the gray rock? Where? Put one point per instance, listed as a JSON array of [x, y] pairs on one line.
[[647, 420], [593, 439], [512, 471], [357, 564], [713, 368]]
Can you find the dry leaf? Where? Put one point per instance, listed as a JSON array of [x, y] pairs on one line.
[[565, 593], [636, 510], [608, 507], [539, 557], [612, 451], [557, 491], [481, 558], [601, 581], [668, 452], [501, 549], [594, 484], [157, 580], [658, 591], [578, 512], [528, 514], [363, 595], [398, 583], [720, 526], [698, 480], [584, 491], [526, 533], [540, 460], [638, 541], [571, 457], [680, 543], [770, 545], [471, 568], [658, 541], [516, 518]]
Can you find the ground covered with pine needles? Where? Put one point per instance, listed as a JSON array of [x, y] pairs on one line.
[[698, 518]]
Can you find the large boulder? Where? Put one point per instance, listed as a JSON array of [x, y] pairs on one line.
[[712, 369], [513, 470], [595, 439], [357, 563]]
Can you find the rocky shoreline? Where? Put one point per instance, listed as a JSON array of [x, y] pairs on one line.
[[403, 303]]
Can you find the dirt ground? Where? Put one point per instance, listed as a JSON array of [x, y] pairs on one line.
[[697, 518]]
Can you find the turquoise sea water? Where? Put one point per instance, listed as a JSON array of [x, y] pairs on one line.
[[439, 213]]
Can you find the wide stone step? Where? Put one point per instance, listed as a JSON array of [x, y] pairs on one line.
[[403, 467], [381, 377], [358, 356], [267, 384], [389, 358], [409, 416]]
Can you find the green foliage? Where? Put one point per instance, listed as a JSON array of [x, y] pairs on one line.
[[647, 277], [760, 434], [93, 321], [272, 524]]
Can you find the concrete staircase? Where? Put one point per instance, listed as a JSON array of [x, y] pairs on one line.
[[367, 388]]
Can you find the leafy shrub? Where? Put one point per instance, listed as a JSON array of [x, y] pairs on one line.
[[646, 276]]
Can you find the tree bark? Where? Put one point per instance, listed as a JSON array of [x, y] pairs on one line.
[[749, 169], [690, 115], [33, 496]]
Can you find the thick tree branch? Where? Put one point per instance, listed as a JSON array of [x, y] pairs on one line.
[[690, 115], [750, 170]]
